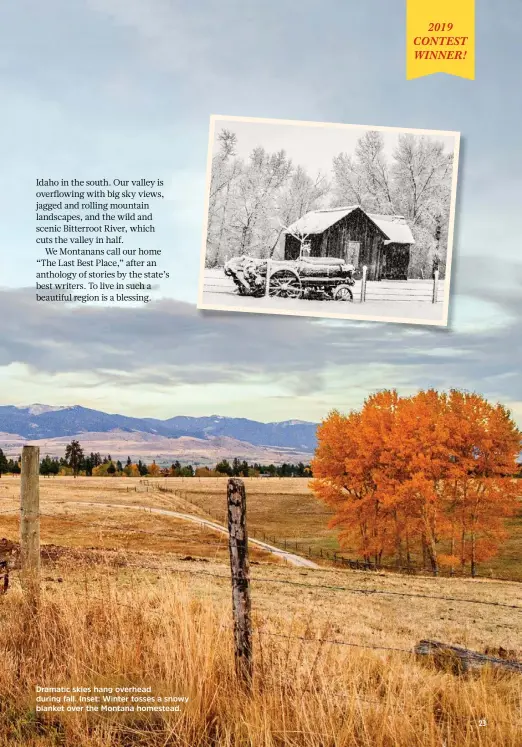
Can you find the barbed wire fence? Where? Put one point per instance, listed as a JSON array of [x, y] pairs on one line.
[[122, 529], [334, 557], [29, 568]]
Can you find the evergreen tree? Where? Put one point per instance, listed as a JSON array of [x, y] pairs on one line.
[[74, 456], [13, 467], [3, 463], [224, 467], [88, 466], [46, 466], [96, 459], [175, 469]]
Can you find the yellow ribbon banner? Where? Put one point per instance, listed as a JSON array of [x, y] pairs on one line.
[[440, 38]]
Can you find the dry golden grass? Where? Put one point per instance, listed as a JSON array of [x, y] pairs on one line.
[[287, 508], [70, 517], [108, 627], [284, 508], [116, 611]]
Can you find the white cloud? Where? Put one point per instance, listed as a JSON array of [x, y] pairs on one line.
[[168, 355]]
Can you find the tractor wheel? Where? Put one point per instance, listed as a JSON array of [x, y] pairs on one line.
[[285, 284], [342, 293]]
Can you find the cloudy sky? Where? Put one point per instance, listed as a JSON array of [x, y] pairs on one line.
[[125, 88]]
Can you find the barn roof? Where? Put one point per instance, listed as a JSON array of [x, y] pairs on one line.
[[395, 228], [317, 221]]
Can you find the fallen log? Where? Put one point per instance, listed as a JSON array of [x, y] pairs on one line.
[[4, 566], [461, 660]]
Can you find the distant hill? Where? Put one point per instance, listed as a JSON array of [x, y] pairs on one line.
[[162, 449], [37, 422]]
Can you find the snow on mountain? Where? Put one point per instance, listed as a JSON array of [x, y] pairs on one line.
[[38, 409], [40, 421]]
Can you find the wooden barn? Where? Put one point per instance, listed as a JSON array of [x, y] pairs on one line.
[[382, 242]]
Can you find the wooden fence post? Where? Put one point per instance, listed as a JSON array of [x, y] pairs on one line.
[[268, 276], [435, 286], [241, 605], [30, 517], [363, 283]]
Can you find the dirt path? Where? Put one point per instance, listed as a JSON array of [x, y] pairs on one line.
[[296, 560]]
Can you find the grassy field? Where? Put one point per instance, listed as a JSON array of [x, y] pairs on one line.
[[279, 509], [286, 508], [143, 600], [72, 518]]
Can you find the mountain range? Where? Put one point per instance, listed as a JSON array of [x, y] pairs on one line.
[[204, 438]]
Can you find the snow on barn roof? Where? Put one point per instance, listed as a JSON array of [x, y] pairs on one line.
[[393, 226], [318, 221]]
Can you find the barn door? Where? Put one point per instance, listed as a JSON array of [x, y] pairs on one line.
[[352, 251]]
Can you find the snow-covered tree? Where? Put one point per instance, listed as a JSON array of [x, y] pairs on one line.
[[414, 183], [302, 195], [225, 170], [364, 178]]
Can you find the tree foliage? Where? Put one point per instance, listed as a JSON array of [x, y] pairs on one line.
[[74, 456], [414, 183], [429, 475], [252, 201], [4, 465]]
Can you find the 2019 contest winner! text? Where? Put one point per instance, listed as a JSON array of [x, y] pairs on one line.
[[95, 238]]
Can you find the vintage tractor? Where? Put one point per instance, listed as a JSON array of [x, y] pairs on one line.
[[320, 278]]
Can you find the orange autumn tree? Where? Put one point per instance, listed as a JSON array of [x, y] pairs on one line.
[[480, 492], [416, 466], [153, 470], [346, 466], [429, 475]]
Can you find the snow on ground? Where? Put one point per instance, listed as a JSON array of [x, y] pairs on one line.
[[219, 293]]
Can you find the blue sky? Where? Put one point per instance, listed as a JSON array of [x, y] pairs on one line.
[[125, 88]]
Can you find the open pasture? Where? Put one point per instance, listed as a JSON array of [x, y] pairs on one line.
[[135, 598]]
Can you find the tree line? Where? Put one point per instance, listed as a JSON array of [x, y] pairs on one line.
[[253, 200], [76, 462], [9, 466], [428, 476]]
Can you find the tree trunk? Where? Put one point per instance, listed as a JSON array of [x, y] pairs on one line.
[[398, 541], [274, 245], [473, 555], [222, 226], [429, 552], [408, 552], [463, 549]]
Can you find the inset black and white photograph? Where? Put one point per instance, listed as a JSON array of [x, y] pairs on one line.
[[329, 220]]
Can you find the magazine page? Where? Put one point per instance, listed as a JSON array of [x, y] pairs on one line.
[[260, 402]]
